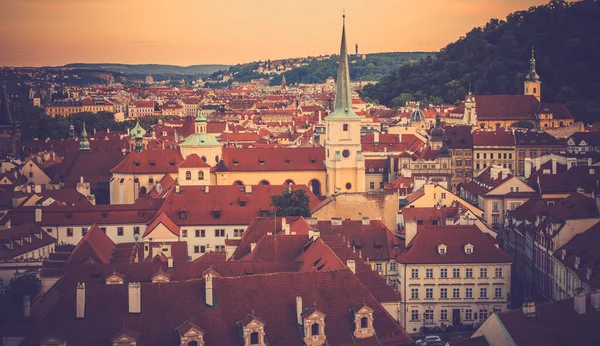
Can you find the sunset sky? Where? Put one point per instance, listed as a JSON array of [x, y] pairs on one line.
[[188, 32]]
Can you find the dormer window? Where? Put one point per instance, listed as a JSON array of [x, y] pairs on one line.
[[468, 249], [253, 330], [442, 248], [314, 327], [200, 175], [363, 321], [188, 175], [190, 334], [216, 213], [183, 215]]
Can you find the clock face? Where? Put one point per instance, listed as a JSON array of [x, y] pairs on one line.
[[346, 153]]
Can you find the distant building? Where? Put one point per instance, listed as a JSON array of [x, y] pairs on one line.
[[149, 79]]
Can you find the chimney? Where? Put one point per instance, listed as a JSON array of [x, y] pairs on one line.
[[366, 221], [177, 187], [351, 264], [206, 189], [410, 231], [529, 308], [209, 290], [376, 137], [170, 262], [589, 161], [248, 189], [554, 164], [80, 303], [26, 305], [596, 298], [135, 299], [579, 301], [38, 215], [299, 310]]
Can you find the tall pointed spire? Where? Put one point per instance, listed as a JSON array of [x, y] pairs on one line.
[[84, 144], [532, 75], [343, 94], [71, 130], [283, 82]]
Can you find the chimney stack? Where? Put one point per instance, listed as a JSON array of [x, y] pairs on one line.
[[376, 137], [529, 308], [248, 189], [554, 164], [596, 298], [579, 301], [299, 310], [26, 305], [410, 230], [37, 188], [366, 221], [351, 264], [135, 299], [80, 303], [209, 290], [170, 262], [38, 215]]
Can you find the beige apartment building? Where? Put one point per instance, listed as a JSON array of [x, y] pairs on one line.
[[451, 276]]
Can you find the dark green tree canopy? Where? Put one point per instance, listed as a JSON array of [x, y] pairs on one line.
[[494, 59], [291, 203]]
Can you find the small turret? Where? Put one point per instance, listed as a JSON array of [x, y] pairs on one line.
[[138, 133], [533, 86], [84, 144], [71, 130]]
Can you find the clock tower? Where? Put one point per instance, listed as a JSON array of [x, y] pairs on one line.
[[343, 158]]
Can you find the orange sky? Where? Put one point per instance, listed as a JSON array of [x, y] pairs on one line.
[[186, 32]]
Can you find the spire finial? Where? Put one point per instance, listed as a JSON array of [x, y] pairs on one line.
[[533, 52]]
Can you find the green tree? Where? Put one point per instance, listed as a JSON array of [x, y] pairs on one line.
[[291, 203]]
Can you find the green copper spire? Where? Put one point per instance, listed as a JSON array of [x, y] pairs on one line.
[[532, 76], [84, 144], [343, 94]]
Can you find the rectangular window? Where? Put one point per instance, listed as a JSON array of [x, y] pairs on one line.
[[483, 272], [456, 293], [429, 293], [469, 273], [184, 233], [428, 316], [414, 274], [498, 292], [495, 219], [120, 231], [372, 185], [458, 163], [477, 155], [468, 292], [483, 315], [69, 232], [345, 127], [483, 292], [444, 273], [498, 272], [444, 314], [49, 230], [443, 293], [83, 231], [393, 266], [202, 249], [378, 267], [429, 273], [219, 233], [136, 230], [456, 273], [485, 155], [414, 293], [468, 314], [468, 163], [443, 195], [196, 249], [491, 156], [495, 206], [414, 315], [103, 229], [497, 310], [220, 248]]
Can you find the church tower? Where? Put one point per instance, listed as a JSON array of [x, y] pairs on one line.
[[202, 143], [533, 86], [343, 158]]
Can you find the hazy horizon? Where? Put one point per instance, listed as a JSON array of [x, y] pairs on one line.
[[187, 32]]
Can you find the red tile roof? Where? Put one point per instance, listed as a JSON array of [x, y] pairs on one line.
[[95, 246], [423, 247], [24, 238], [193, 161], [149, 161], [503, 107], [272, 159]]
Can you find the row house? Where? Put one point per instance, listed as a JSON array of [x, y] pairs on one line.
[[496, 190], [140, 109], [531, 145], [583, 142], [493, 148], [451, 276], [460, 142], [535, 231]]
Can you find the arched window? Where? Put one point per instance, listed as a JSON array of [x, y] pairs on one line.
[[188, 175], [200, 175], [345, 127], [204, 158], [315, 187], [289, 182], [254, 338], [143, 191], [314, 329], [216, 158], [264, 182], [364, 322], [238, 182]]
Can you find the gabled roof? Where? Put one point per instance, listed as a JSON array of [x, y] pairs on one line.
[[423, 247], [193, 161], [149, 161], [162, 219], [272, 159], [95, 246]]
